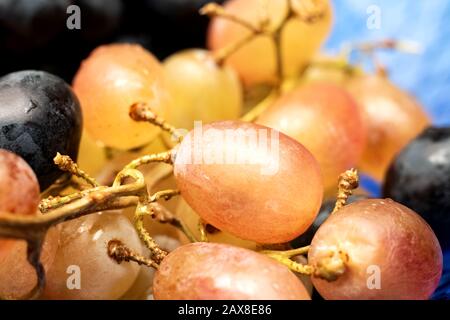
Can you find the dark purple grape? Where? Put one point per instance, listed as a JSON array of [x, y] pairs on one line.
[[419, 178], [32, 23], [39, 116]]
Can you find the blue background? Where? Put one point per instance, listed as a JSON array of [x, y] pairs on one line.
[[427, 75]]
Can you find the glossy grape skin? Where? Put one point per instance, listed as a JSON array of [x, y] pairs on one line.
[[92, 156], [84, 244], [384, 234], [201, 90], [17, 276], [393, 119], [191, 219], [251, 201], [108, 82], [39, 116], [256, 61], [325, 211], [326, 120], [211, 271], [419, 179]]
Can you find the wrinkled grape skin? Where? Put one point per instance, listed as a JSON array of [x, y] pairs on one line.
[[84, 244], [17, 276], [393, 118], [379, 233], [109, 81], [256, 61], [18, 184], [39, 116], [201, 90], [267, 208], [326, 120], [212, 271]]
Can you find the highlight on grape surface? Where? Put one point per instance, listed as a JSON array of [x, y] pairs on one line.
[[212, 150]]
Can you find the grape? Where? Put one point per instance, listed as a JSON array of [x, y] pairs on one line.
[[108, 82], [419, 178], [18, 184], [83, 245], [92, 156], [40, 116], [305, 279], [264, 191], [202, 90], [142, 287], [191, 219], [211, 271], [33, 23], [326, 120], [332, 69], [393, 119], [325, 211], [19, 195], [17, 276], [380, 238], [256, 61]]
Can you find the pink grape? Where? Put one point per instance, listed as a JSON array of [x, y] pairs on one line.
[[326, 119], [384, 239], [19, 195], [212, 271], [267, 193]]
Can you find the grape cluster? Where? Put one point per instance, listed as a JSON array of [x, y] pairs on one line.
[[144, 164]]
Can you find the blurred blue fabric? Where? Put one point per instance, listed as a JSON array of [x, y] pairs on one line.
[[426, 76]]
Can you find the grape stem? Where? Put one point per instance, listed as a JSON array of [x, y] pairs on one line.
[[202, 230], [73, 206], [348, 181], [309, 11], [142, 112], [369, 49], [65, 163], [120, 252], [333, 265]]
